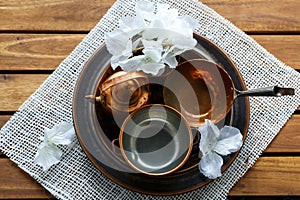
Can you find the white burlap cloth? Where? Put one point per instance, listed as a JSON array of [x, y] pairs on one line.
[[75, 177]]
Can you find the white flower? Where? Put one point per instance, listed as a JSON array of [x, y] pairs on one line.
[[48, 153], [215, 143], [144, 63], [162, 35], [119, 44], [149, 62]]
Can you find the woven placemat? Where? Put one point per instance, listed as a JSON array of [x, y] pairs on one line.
[[75, 177]]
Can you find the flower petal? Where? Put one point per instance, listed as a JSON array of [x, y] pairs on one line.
[[184, 43], [191, 22], [47, 155], [230, 140], [171, 61], [153, 49], [145, 9], [152, 44], [62, 133], [210, 165], [209, 136], [154, 55], [159, 33], [152, 68], [133, 63], [117, 42], [128, 24]]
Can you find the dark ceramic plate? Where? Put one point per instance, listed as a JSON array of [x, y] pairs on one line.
[[96, 130]]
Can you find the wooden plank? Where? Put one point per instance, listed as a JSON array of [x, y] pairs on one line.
[[52, 15], [46, 51], [4, 119], [272, 176], [16, 88], [259, 15], [287, 141], [82, 15], [36, 51], [16, 184], [284, 47]]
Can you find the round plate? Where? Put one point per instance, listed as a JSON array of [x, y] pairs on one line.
[[96, 131]]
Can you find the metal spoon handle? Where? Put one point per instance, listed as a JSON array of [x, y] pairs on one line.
[[267, 91]]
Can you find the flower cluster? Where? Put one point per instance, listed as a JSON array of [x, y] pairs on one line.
[[48, 153], [215, 143], [161, 36]]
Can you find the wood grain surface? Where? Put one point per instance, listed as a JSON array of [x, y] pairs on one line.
[[46, 51], [35, 36], [16, 88], [260, 16], [36, 51], [272, 176], [51, 15], [82, 15]]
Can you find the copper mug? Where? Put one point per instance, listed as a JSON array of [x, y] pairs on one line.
[[155, 140]]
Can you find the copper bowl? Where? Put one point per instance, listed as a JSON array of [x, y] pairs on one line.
[[200, 90]]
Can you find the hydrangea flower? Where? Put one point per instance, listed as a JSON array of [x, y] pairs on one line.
[[162, 34], [215, 143], [48, 153]]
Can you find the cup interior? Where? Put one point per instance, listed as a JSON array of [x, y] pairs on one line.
[[155, 140]]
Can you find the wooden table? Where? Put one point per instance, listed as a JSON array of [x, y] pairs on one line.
[[35, 36]]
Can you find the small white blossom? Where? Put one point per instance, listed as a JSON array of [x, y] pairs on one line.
[[163, 35], [48, 153], [149, 62], [215, 143], [119, 44]]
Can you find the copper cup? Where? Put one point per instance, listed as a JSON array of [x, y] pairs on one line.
[[155, 140]]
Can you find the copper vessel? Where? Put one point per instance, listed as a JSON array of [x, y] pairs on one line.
[[124, 91]]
